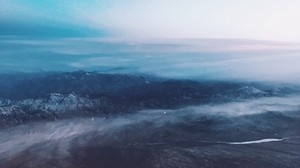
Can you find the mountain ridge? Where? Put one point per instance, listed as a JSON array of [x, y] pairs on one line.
[[77, 94]]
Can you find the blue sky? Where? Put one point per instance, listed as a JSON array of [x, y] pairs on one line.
[[204, 39], [39, 19]]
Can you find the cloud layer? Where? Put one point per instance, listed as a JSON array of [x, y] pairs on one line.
[[64, 134], [192, 59]]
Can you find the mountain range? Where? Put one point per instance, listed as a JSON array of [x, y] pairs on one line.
[[26, 97]]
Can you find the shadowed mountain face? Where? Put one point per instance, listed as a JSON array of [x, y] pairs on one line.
[[86, 119], [52, 96]]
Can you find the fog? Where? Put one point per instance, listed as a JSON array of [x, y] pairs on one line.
[[62, 136]]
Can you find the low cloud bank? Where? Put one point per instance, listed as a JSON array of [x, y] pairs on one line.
[[202, 59]]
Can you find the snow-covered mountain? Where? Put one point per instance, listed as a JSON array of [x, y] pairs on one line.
[[54, 106], [27, 97], [112, 120]]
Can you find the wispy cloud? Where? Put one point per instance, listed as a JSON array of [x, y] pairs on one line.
[[81, 131]]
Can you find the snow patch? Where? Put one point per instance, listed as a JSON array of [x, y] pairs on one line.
[[255, 142]]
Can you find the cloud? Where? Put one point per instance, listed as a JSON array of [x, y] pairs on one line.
[[205, 59], [266, 19], [69, 133]]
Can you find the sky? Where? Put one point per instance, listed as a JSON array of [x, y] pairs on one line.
[[257, 19], [204, 39]]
